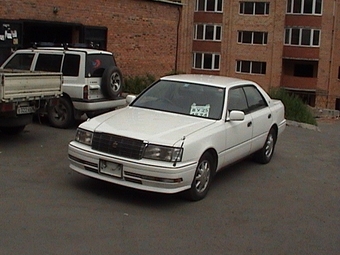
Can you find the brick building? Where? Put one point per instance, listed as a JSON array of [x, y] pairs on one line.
[[141, 33], [293, 44]]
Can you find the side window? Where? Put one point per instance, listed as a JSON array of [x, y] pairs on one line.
[[71, 65], [237, 100], [20, 62], [49, 63], [254, 98]]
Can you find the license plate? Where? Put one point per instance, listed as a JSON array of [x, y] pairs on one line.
[[25, 109], [110, 168]]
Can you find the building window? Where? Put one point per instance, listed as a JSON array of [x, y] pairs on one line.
[[209, 5], [207, 32], [339, 73], [304, 6], [207, 61], [302, 37], [252, 37], [254, 8], [252, 67]]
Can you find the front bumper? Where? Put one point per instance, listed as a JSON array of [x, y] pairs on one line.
[[142, 174]]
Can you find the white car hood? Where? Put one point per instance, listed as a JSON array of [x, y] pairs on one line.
[[148, 125]]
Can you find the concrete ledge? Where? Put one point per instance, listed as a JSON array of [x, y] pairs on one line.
[[302, 125]]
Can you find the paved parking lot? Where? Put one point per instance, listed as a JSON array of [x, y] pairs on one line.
[[290, 206]]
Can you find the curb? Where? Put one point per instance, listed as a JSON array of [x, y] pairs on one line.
[[302, 125]]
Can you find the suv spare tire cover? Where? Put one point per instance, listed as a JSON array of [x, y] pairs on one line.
[[112, 82]]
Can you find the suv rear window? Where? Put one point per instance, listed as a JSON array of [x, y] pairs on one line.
[[97, 63], [21, 61]]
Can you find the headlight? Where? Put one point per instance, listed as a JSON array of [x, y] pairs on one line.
[[163, 153], [84, 136]]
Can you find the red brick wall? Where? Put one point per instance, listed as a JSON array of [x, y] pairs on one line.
[[141, 33]]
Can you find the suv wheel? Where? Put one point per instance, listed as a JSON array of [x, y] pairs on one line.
[[112, 82]]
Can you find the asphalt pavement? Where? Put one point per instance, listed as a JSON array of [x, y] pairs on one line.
[[289, 206]]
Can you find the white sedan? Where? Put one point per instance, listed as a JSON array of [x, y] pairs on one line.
[[178, 133]]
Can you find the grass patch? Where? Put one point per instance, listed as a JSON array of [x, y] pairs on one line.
[[295, 109]]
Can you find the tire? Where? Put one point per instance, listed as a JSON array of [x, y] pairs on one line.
[[203, 177], [12, 130], [265, 154], [61, 115], [112, 82]]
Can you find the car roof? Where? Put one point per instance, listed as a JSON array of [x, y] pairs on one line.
[[212, 80], [58, 49]]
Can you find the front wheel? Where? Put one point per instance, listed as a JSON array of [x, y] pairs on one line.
[[61, 115], [203, 177], [265, 154]]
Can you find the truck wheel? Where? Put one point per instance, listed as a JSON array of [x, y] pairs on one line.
[[61, 115], [112, 82], [12, 130]]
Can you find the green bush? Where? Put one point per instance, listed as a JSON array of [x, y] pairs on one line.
[[295, 109], [136, 84]]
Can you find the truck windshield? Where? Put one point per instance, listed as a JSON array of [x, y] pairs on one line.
[[97, 63]]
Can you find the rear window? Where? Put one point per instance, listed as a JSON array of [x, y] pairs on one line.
[[97, 63], [20, 61]]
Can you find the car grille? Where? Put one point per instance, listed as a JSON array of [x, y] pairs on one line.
[[118, 145]]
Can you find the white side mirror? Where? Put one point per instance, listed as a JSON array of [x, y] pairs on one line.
[[130, 99], [236, 116]]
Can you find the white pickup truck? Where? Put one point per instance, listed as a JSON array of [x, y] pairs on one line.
[[92, 82], [22, 93]]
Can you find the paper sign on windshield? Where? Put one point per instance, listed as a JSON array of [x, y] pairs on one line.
[[200, 110]]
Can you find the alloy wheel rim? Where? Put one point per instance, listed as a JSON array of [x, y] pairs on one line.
[[202, 176]]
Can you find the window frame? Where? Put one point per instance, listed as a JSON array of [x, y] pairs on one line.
[[243, 65], [292, 5], [204, 60], [202, 6], [255, 6], [242, 33], [217, 32], [293, 36]]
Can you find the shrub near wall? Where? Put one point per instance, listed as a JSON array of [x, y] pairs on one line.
[[295, 109], [136, 84]]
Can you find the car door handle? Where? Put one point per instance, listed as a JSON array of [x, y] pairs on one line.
[[249, 124]]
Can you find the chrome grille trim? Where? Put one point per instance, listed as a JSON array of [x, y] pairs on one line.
[[118, 145]]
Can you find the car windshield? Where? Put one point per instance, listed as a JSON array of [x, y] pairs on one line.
[[183, 98]]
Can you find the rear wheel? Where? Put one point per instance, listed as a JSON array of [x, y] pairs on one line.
[[61, 115], [203, 177], [265, 154]]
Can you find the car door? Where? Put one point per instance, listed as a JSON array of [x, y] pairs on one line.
[[238, 133], [261, 116]]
